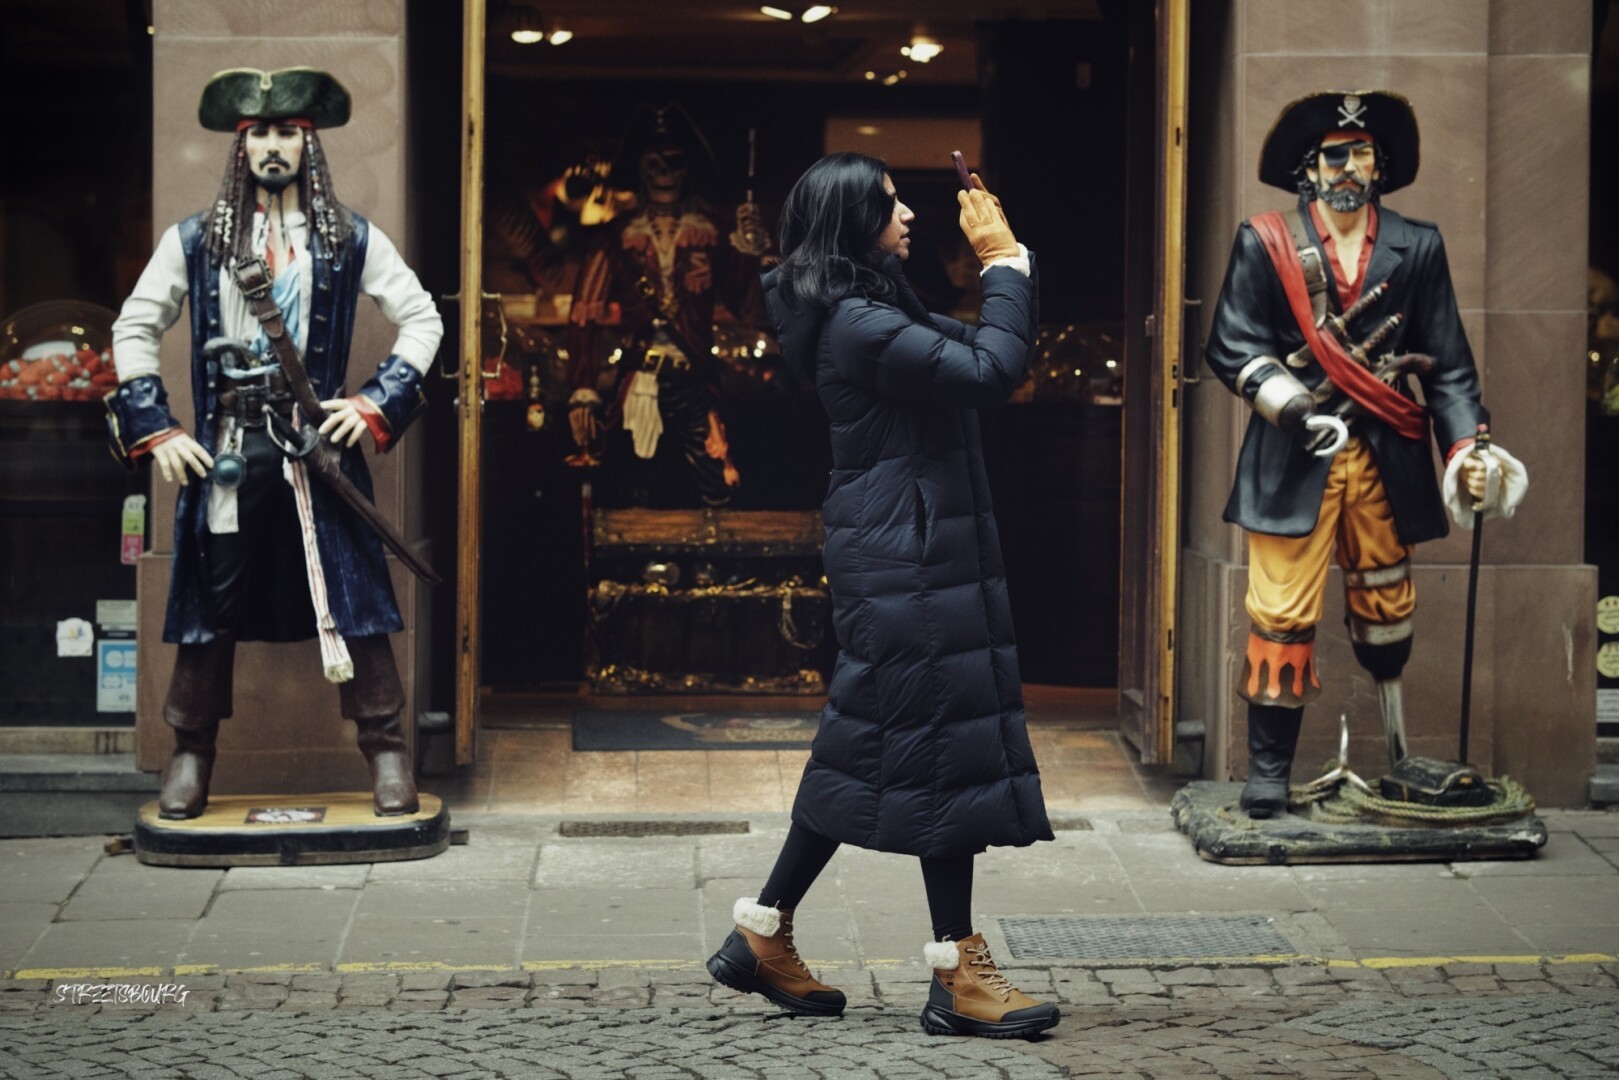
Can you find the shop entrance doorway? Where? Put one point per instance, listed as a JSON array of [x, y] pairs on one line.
[[1071, 119]]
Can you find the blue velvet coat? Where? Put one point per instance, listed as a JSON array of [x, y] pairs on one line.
[[360, 591], [922, 747]]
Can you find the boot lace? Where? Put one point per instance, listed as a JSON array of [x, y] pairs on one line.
[[786, 933], [989, 975]]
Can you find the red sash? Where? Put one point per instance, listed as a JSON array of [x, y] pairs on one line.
[[1367, 390]]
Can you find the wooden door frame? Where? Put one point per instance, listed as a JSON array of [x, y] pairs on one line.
[[469, 399], [1150, 526]]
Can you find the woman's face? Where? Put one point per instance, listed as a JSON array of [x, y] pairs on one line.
[[896, 239]]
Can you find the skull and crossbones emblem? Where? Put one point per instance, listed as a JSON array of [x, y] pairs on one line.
[[1352, 111]]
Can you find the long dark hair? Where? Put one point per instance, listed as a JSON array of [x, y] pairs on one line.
[[829, 230], [228, 234]]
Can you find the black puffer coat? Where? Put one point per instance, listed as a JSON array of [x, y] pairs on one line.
[[922, 747]]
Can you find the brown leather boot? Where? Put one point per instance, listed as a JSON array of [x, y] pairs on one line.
[[393, 781], [185, 784], [199, 698], [969, 996], [373, 699], [759, 958]]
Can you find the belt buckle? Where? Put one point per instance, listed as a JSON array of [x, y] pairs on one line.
[[266, 278]]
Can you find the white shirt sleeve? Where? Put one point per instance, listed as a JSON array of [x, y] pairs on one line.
[[395, 288], [150, 310], [1018, 262]]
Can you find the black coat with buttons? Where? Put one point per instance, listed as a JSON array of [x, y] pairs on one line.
[[922, 747]]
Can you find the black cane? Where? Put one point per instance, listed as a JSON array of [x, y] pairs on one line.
[[1481, 443]]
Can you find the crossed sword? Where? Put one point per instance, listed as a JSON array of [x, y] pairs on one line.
[[1329, 399]]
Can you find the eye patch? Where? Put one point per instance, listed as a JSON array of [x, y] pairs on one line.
[[1337, 155]]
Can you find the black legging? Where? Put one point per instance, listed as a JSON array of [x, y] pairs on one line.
[[948, 880]]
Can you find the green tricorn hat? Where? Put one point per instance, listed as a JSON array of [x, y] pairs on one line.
[[250, 94], [1387, 118]]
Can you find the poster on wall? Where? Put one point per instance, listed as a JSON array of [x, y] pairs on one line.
[[115, 676]]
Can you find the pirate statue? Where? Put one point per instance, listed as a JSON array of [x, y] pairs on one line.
[[275, 533], [1326, 310], [658, 272]]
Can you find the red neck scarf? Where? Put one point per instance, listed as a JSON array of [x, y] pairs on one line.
[[1367, 390]]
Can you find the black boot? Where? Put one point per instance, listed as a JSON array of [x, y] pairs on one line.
[[1273, 736], [199, 698]]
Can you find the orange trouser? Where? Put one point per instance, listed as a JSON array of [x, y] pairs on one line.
[[1287, 582]]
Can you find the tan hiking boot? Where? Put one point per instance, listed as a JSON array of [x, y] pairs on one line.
[[969, 996], [759, 958]]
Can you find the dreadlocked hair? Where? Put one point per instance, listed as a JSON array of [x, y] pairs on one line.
[[228, 227]]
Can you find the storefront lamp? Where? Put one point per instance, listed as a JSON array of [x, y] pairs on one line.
[[561, 37], [817, 12], [921, 50], [777, 13]]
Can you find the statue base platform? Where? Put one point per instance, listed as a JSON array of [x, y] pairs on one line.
[[291, 830], [1220, 831]]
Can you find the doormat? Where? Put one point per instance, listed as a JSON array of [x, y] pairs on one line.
[[604, 729]]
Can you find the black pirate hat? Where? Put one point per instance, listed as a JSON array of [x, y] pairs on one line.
[[664, 125], [250, 94], [1387, 117]]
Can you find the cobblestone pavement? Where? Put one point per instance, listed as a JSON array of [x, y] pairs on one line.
[[1457, 1020]]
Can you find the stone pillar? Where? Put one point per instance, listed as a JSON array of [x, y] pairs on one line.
[[1500, 89], [286, 735]]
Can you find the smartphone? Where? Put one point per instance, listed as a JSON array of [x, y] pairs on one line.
[[962, 174]]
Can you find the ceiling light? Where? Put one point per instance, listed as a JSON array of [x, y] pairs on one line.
[[868, 129], [817, 12], [921, 49], [561, 37], [891, 80], [776, 12], [526, 28]]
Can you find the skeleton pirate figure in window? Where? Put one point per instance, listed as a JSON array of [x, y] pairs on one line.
[[276, 537], [1327, 311], [658, 273]]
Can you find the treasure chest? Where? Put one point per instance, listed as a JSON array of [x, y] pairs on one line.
[[707, 601]]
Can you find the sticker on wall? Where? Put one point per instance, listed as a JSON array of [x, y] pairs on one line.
[[116, 614], [1608, 615], [1608, 706], [115, 676], [75, 637], [1608, 660], [134, 532]]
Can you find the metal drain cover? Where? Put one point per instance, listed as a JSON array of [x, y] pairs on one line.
[[1146, 937], [650, 828]]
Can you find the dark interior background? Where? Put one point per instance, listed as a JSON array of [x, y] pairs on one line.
[[1054, 467]]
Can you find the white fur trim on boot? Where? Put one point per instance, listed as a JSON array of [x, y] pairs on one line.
[[752, 915], [942, 955]]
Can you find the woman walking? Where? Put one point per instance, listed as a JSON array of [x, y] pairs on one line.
[[922, 748]]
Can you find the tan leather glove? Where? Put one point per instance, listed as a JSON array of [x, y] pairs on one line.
[[984, 225]]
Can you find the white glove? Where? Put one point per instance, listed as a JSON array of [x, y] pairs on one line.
[[1506, 482], [641, 417]]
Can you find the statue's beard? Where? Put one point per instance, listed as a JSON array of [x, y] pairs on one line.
[[1349, 197], [276, 182]]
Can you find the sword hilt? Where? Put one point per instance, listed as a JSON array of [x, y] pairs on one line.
[[1378, 336]]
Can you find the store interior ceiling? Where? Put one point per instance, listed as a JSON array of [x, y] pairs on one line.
[[737, 41]]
